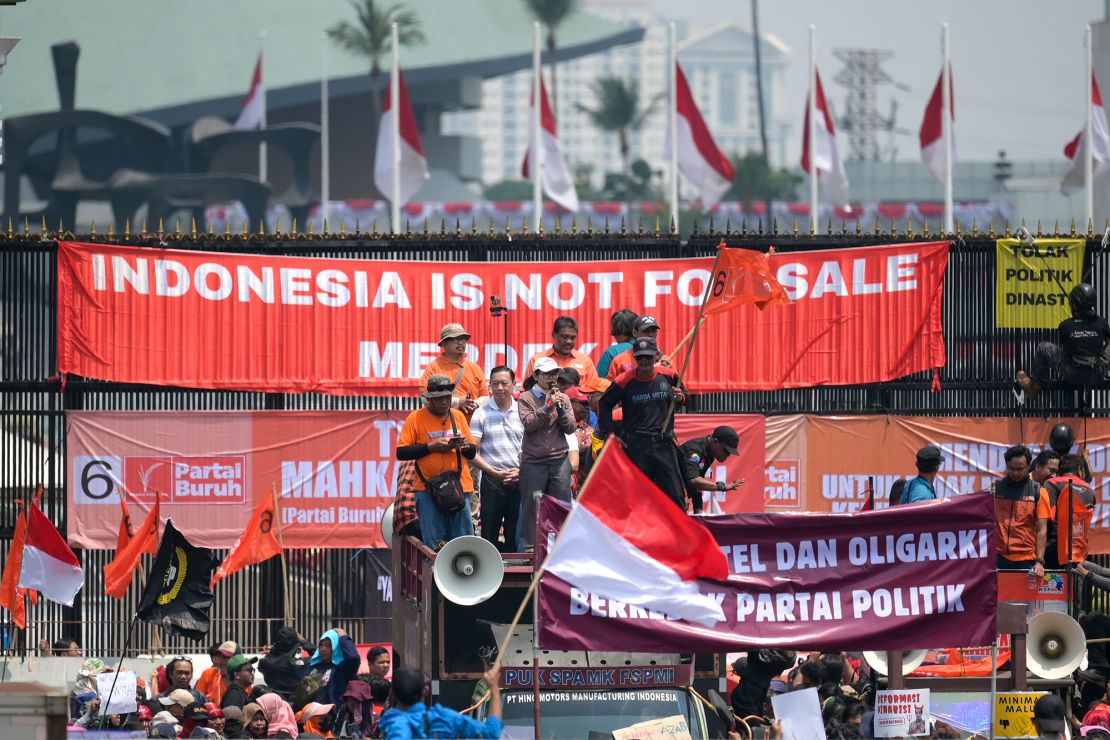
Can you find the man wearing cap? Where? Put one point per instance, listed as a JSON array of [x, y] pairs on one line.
[[240, 670], [213, 681], [699, 454], [645, 396], [437, 438], [564, 337], [645, 326], [547, 419], [1049, 717], [929, 460], [175, 702], [471, 388]]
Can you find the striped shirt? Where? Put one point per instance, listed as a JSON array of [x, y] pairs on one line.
[[499, 434]]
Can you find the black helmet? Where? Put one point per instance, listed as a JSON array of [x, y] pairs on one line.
[[1083, 298], [1061, 439]]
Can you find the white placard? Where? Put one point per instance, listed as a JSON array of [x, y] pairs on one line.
[[902, 712], [800, 712], [123, 696]]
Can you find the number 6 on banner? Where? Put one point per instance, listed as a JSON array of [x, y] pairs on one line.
[[97, 479]]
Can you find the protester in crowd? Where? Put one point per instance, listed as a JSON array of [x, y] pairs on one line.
[[647, 395], [283, 666], [196, 716], [437, 438], [315, 720], [564, 337], [217, 720], [1098, 713], [1049, 717], [546, 419], [645, 326], [255, 721], [234, 726], [920, 488], [1045, 465], [279, 715], [240, 671], [378, 660], [1022, 511], [180, 673], [61, 649], [85, 685], [162, 726], [176, 701], [213, 682], [1068, 478], [471, 389], [581, 441], [1081, 357], [411, 717], [698, 454], [336, 660], [620, 327], [380, 690], [499, 434], [356, 718]]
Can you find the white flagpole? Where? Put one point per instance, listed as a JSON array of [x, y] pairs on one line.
[[673, 133], [325, 144], [812, 129], [946, 115], [1088, 140], [262, 172], [536, 151], [395, 106]]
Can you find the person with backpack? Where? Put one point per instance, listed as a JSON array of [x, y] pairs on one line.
[[283, 666], [1021, 511], [1082, 356], [410, 717], [1069, 479], [330, 669], [920, 488]]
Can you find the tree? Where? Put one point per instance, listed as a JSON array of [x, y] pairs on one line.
[[371, 37], [756, 181], [618, 110], [551, 13]]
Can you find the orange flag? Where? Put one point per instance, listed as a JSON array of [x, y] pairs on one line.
[[118, 573], [257, 543], [11, 596], [742, 276], [125, 530]]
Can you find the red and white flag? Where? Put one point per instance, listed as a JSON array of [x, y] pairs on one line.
[[555, 177], [699, 159], [627, 540], [1076, 149], [252, 111], [932, 128], [49, 564], [830, 166], [414, 168]]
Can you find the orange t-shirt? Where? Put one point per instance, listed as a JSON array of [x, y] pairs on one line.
[[211, 683], [473, 383], [421, 427], [587, 371]]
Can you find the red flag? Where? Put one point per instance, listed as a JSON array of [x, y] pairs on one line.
[[257, 543], [743, 276], [252, 109], [49, 563], [931, 135], [126, 531], [11, 596], [118, 573], [699, 158], [413, 164]]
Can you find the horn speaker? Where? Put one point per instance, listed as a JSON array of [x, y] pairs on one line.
[[1054, 645], [911, 659], [468, 570], [387, 526]]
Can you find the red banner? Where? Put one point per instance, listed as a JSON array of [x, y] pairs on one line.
[[335, 471], [298, 324]]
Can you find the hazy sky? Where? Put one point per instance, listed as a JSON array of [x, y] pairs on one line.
[[1017, 65]]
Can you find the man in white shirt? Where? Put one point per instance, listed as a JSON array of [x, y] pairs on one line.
[[498, 432]]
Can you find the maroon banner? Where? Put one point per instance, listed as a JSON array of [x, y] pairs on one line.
[[262, 322], [911, 577]]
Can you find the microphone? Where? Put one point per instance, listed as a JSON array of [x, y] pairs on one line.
[[496, 308]]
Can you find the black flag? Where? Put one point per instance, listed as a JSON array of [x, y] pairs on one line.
[[177, 596]]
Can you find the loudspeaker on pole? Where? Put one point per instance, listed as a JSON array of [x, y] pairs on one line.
[[468, 570], [911, 659]]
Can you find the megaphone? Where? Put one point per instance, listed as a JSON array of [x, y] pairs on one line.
[[1054, 646], [387, 526], [468, 570], [911, 659]]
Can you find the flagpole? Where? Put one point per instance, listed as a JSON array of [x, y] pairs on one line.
[[281, 544], [673, 132], [812, 129], [1088, 141], [946, 119], [535, 125], [395, 123], [325, 149], [262, 172]]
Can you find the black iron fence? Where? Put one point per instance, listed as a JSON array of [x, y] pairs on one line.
[[329, 587]]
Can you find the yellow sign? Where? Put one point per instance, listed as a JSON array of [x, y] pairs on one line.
[[1032, 281], [1013, 713]]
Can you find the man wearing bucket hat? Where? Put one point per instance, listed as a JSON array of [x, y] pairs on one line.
[[437, 439], [471, 386]]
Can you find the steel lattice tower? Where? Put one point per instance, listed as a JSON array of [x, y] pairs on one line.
[[862, 75]]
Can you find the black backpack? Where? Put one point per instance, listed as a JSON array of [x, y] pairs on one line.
[[896, 490]]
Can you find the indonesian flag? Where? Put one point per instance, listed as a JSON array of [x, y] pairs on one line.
[[414, 168], [118, 573], [626, 540], [49, 564], [1076, 148], [554, 176], [257, 543], [699, 159], [932, 128], [252, 111], [830, 167], [743, 276]]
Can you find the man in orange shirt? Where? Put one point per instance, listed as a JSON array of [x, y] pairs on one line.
[[1021, 510], [437, 439], [645, 326], [564, 337], [213, 682], [471, 386]]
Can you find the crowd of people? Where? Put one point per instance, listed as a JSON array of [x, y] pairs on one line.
[[306, 691], [483, 446]]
